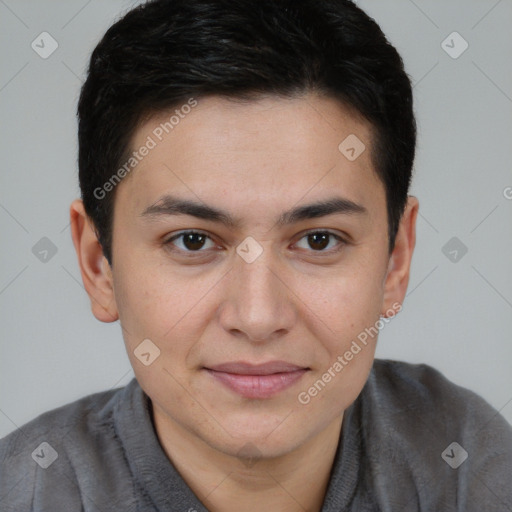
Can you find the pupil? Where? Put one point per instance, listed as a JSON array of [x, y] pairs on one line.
[[194, 241], [318, 241]]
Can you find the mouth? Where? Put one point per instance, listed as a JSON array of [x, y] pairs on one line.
[[257, 381]]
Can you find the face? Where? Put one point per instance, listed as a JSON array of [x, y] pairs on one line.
[[252, 253]]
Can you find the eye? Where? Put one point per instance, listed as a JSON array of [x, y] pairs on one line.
[[191, 241], [195, 242], [320, 240]]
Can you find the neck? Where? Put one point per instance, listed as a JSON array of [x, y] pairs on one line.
[[294, 482]]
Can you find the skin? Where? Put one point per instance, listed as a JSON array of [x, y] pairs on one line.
[[296, 303]]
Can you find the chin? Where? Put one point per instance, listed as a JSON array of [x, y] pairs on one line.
[[249, 449], [249, 437]]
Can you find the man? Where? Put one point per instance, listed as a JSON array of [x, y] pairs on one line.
[[244, 168]]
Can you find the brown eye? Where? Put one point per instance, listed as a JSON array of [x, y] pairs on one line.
[[190, 241], [318, 241]]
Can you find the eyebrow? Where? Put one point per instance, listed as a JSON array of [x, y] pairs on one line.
[[170, 205]]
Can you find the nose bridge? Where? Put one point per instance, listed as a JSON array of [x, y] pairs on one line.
[[258, 280], [259, 305]]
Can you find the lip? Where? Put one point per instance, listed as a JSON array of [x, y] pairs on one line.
[[257, 380]]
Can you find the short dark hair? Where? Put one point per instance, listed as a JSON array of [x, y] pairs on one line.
[[163, 52]]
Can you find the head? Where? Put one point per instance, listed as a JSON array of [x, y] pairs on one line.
[[281, 134]]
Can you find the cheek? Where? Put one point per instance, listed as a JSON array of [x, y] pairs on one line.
[[345, 308], [343, 324], [345, 302], [153, 306], [166, 307]]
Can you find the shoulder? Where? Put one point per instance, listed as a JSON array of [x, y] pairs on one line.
[[45, 453], [414, 381], [420, 427], [80, 416], [421, 389]]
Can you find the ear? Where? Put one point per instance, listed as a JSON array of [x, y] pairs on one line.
[[397, 276], [94, 267]]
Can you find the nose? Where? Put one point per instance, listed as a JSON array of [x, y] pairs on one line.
[[258, 304]]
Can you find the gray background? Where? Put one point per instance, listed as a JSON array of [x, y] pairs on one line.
[[457, 315]]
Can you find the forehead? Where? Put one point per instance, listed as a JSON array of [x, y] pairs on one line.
[[266, 152]]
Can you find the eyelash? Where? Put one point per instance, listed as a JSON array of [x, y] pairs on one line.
[[168, 242]]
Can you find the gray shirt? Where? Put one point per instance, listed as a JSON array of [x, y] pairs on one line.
[[396, 453]]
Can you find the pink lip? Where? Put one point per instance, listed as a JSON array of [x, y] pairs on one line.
[[257, 381]]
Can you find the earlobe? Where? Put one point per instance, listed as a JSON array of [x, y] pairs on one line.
[[398, 272], [94, 267]]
